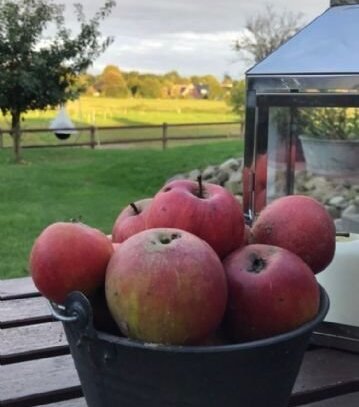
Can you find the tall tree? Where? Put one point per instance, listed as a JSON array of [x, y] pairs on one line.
[[37, 72], [112, 83], [266, 31], [238, 97], [215, 90], [149, 87], [175, 78], [86, 82], [132, 79]]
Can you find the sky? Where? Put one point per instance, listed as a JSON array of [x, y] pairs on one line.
[[193, 37]]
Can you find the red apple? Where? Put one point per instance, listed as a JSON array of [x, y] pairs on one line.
[[270, 291], [115, 246], [248, 238], [166, 286], [131, 220], [207, 210], [261, 171], [300, 224], [260, 184], [67, 257]]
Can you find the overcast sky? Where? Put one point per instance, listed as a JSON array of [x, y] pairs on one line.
[[193, 37]]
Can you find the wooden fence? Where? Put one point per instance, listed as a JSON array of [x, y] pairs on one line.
[[95, 136]]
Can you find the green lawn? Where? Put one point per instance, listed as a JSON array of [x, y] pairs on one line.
[[102, 111], [99, 111], [60, 184]]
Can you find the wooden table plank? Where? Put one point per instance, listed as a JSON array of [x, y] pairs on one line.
[[348, 400], [32, 341], [38, 381], [24, 311], [325, 379], [58, 376], [326, 373], [17, 288], [80, 402]]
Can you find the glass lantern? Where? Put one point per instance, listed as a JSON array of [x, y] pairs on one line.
[[309, 83], [310, 87]]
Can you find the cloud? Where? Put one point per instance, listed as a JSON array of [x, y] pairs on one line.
[[188, 52], [204, 37], [140, 17], [191, 36], [137, 47], [181, 42]]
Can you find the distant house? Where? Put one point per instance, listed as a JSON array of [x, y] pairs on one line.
[[188, 91], [181, 90], [227, 86], [202, 91]]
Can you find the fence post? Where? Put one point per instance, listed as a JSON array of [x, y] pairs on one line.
[[164, 136], [92, 136], [1, 139]]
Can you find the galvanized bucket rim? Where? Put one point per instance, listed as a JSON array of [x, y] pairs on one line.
[[324, 140], [301, 330]]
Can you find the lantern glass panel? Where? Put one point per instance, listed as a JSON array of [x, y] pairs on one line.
[[293, 132], [279, 152]]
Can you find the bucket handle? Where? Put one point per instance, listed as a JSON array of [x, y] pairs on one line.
[[60, 313], [76, 309]]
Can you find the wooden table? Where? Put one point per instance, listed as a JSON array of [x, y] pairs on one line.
[[37, 369]]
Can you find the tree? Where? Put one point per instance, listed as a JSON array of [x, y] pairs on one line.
[[112, 83], [174, 77], [149, 87], [132, 79], [86, 82], [238, 96], [215, 90], [37, 72], [227, 78], [266, 31]]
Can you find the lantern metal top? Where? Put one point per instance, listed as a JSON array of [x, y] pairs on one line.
[[326, 46], [343, 2]]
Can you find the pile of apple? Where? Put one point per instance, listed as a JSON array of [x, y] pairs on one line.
[[182, 267]]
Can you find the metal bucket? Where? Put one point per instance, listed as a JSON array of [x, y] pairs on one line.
[[117, 372], [332, 158]]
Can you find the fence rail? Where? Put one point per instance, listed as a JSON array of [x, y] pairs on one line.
[[96, 136]]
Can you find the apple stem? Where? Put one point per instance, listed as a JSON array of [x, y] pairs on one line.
[[134, 207], [200, 186]]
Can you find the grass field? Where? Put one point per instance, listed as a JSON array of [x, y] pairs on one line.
[[100, 112], [59, 184], [120, 112]]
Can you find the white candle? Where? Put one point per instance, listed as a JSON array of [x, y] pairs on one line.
[[341, 281]]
